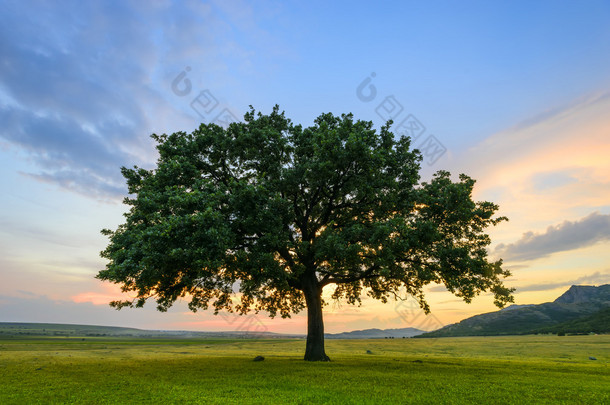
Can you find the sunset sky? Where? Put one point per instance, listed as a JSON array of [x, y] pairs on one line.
[[515, 94]]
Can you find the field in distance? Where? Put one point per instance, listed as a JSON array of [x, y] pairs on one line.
[[508, 369]]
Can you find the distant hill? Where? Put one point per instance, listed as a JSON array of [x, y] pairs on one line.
[[17, 329], [376, 334], [55, 329], [574, 307]]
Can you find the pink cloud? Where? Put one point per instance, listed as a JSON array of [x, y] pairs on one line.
[[111, 293]]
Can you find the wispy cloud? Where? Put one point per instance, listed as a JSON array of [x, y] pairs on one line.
[[566, 236], [550, 168], [27, 307], [84, 84], [591, 279], [67, 108], [110, 292], [558, 112]]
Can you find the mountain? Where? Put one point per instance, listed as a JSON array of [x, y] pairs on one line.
[[578, 294], [577, 303], [375, 334], [598, 322]]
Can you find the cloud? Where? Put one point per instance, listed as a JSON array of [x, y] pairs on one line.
[[553, 166], [40, 308], [30, 307], [96, 298], [65, 152], [563, 237], [557, 112], [591, 279], [64, 107], [84, 84], [111, 292]]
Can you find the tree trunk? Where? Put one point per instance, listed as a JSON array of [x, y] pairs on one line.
[[314, 350]]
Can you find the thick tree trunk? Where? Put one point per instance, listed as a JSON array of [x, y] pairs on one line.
[[314, 350]]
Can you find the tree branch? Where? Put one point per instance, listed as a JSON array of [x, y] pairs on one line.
[[333, 279]]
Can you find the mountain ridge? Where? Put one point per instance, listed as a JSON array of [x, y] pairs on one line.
[[579, 301], [375, 333]]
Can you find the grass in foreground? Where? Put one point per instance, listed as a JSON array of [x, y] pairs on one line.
[[520, 369]]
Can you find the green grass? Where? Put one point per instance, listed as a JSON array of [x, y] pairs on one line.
[[519, 369]]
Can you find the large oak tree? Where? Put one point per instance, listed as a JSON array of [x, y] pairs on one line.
[[265, 214]]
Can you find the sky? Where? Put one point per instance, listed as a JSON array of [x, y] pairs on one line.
[[515, 94]]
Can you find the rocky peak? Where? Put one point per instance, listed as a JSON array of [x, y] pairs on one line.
[[578, 294]]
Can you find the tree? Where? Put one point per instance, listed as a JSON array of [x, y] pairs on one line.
[[264, 214]]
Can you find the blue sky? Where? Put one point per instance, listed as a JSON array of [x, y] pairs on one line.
[[515, 93]]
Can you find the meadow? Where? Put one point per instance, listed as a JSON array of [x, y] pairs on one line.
[[499, 370]]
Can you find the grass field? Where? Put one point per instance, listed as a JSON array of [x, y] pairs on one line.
[[489, 370]]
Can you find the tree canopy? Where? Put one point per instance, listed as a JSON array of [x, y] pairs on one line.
[[264, 214]]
